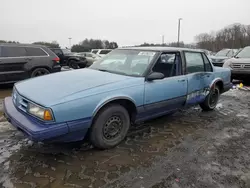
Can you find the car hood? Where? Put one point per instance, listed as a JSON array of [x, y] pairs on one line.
[[239, 60], [53, 88], [219, 57]]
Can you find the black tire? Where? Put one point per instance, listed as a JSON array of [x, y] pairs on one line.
[[111, 118], [73, 64], [211, 99], [39, 72]]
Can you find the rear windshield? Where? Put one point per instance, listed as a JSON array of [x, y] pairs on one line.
[[104, 51]]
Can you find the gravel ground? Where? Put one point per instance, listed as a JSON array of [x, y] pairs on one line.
[[188, 149]]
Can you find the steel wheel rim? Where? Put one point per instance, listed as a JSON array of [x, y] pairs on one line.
[[213, 99], [112, 128]]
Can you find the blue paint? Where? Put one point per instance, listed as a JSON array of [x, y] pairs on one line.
[[75, 97]]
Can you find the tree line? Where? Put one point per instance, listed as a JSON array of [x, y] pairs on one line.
[[88, 44], [233, 36], [53, 44], [171, 44], [84, 46], [5, 41]]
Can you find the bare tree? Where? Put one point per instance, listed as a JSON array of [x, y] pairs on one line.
[[232, 36]]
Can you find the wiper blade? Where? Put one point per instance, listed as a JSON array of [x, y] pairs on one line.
[[103, 70], [115, 72]]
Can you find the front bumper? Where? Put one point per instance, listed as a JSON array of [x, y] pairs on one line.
[[218, 64], [39, 131], [240, 74]]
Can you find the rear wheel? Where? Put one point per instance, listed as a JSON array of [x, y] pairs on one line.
[[39, 72], [211, 99], [110, 127]]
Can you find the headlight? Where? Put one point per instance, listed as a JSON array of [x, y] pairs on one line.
[[42, 113]]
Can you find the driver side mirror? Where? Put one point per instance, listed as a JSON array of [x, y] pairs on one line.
[[155, 76]]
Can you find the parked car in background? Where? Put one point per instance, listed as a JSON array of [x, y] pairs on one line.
[[208, 53], [67, 58], [223, 55], [129, 86], [240, 65], [101, 52], [90, 57], [22, 61]]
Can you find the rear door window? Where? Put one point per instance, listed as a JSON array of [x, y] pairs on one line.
[[11, 51], [35, 51], [194, 62], [94, 51]]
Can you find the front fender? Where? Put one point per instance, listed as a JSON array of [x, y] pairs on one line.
[[109, 99]]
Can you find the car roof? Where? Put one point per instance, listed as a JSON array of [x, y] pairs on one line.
[[160, 49], [22, 45]]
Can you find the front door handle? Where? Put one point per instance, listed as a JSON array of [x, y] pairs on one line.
[[182, 80]]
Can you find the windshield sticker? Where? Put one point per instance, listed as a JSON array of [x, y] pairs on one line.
[[147, 53]]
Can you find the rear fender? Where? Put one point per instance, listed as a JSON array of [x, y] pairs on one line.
[[213, 83]]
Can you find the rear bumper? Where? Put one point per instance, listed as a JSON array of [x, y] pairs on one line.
[[56, 68], [38, 131]]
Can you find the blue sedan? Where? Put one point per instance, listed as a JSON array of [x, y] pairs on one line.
[[128, 86]]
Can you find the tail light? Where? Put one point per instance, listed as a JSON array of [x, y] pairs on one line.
[[56, 60]]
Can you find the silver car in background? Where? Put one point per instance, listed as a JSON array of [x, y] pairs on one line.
[[221, 56], [240, 65]]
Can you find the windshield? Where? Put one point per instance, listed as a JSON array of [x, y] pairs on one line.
[[223, 52], [104, 51], [94, 51], [125, 62], [244, 53], [66, 51]]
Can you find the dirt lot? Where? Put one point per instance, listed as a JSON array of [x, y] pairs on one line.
[[188, 149]]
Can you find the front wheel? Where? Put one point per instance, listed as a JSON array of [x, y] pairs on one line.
[[73, 64], [211, 99], [110, 127]]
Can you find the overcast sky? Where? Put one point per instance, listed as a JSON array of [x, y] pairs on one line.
[[128, 22]]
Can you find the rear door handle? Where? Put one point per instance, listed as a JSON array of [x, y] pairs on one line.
[[182, 80]]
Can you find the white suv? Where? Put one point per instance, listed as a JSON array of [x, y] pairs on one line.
[[101, 52]]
